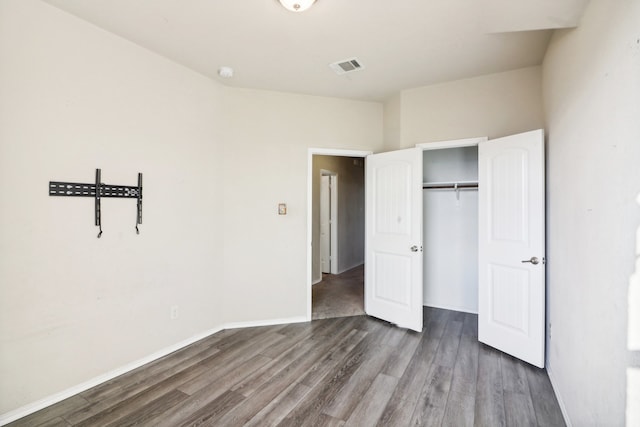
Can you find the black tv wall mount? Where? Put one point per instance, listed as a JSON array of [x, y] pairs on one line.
[[98, 191]]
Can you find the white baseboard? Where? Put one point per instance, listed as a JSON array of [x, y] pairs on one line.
[[342, 270], [446, 307], [268, 322], [315, 282], [563, 408], [30, 408]]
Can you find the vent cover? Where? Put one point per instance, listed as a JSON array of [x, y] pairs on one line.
[[346, 66]]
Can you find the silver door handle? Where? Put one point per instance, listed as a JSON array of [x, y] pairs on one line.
[[415, 248], [534, 260]]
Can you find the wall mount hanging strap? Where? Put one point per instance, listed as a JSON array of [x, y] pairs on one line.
[[98, 191]]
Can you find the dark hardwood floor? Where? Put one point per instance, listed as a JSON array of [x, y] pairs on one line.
[[352, 371]]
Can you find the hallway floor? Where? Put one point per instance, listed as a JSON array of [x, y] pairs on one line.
[[339, 295]]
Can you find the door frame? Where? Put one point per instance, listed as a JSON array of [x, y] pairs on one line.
[[439, 145], [310, 153], [333, 219]]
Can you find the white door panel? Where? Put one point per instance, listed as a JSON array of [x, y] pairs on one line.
[[325, 224], [393, 273], [511, 306]]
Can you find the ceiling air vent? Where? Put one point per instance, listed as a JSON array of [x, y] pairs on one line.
[[346, 66]]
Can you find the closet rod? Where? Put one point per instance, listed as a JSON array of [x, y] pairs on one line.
[[442, 186]]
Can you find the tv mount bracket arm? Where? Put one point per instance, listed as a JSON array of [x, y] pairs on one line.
[[99, 191]]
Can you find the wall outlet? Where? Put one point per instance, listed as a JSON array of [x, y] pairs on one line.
[[174, 312]]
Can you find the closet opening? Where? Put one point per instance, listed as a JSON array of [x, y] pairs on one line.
[[450, 228]]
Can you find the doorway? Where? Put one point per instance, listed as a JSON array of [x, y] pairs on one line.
[[335, 251]]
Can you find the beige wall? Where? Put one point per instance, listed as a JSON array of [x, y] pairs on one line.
[[72, 306], [350, 177], [216, 162], [493, 105], [269, 135], [393, 122], [591, 90]]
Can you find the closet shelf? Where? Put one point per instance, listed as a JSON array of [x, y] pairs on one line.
[[450, 185]]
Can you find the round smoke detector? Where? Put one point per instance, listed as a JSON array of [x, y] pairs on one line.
[[225, 72]]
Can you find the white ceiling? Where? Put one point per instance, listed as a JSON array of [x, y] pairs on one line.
[[402, 43]]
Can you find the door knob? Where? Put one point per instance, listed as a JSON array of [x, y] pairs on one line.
[[414, 248], [534, 260]]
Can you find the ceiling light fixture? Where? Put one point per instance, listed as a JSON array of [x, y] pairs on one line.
[[297, 5]]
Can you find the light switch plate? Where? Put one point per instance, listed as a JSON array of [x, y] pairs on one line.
[[282, 209]]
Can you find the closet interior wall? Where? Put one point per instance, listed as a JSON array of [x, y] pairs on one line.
[[450, 228]]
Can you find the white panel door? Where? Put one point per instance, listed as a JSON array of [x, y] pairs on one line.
[[393, 247], [511, 294], [325, 224]]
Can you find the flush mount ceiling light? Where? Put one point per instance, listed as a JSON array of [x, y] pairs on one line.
[[297, 5]]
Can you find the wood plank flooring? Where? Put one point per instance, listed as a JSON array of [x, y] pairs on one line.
[[350, 371]]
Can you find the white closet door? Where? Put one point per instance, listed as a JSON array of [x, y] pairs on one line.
[[511, 306], [393, 232]]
